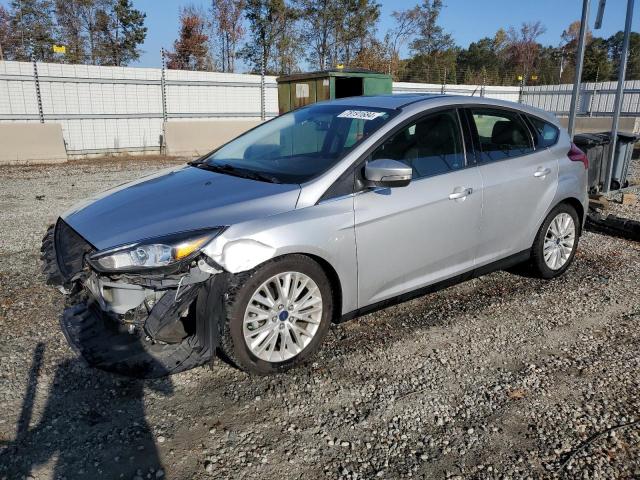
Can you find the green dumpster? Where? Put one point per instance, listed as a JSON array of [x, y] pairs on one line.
[[298, 90]]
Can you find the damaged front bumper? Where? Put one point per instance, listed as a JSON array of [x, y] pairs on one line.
[[138, 325]]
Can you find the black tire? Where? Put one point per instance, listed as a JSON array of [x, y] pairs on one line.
[[242, 288], [537, 266]]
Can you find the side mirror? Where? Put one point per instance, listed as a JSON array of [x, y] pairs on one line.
[[387, 173]]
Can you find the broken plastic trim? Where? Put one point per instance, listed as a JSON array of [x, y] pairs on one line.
[[168, 311], [106, 344], [62, 255]]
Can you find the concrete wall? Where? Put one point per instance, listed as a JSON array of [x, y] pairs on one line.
[[195, 138], [31, 143], [603, 124]]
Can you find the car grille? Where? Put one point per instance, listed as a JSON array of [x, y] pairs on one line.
[[71, 249]]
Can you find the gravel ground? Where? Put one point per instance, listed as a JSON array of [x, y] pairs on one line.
[[500, 377], [628, 211]]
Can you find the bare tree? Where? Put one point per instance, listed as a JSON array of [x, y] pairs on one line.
[[523, 47], [228, 30], [405, 28]]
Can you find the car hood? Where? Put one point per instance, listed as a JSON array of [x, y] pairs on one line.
[[176, 200]]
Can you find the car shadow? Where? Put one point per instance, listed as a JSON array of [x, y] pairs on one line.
[[93, 425]]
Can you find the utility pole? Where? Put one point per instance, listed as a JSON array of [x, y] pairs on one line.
[[579, 61], [622, 70]]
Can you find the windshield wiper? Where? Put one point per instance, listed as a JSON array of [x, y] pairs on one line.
[[237, 172]]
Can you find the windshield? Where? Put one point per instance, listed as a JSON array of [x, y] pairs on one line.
[[299, 145]]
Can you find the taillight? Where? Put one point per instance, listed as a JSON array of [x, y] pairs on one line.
[[577, 155]]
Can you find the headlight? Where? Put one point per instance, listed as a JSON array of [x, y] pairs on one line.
[[155, 252]]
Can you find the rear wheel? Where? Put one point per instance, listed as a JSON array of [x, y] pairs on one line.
[[556, 242], [278, 316]]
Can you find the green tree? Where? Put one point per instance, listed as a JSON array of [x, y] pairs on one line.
[[597, 65], [268, 20], [356, 30], [71, 33], [320, 19], [6, 35], [478, 56], [547, 66], [100, 32], [336, 31], [633, 60], [288, 47], [33, 29], [435, 68], [122, 32], [431, 38]]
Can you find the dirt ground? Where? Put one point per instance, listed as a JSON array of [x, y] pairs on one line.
[[500, 377]]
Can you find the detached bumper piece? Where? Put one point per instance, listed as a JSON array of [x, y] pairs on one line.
[[106, 344], [614, 226]]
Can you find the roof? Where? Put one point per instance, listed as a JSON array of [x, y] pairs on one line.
[[385, 101], [402, 100]]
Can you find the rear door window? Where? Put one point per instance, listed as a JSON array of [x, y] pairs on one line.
[[547, 134], [501, 134]]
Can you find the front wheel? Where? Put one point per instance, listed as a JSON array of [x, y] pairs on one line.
[[556, 242], [278, 316]]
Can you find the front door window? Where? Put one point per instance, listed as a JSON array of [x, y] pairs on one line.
[[431, 146]]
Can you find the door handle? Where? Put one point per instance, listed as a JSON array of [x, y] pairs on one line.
[[459, 194], [542, 172]]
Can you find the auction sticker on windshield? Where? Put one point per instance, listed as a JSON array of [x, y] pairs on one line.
[[360, 114]]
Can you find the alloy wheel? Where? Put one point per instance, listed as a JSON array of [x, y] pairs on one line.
[[282, 316], [559, 241]]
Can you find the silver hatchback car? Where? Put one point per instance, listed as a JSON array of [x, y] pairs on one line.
[[317, 216]]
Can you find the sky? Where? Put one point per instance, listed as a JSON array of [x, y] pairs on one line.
[[465, 20]]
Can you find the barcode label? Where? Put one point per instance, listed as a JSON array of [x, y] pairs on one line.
[[360, 114]]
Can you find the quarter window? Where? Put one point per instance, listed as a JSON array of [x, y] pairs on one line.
[[547, 133], [501, 134], [430, 146]]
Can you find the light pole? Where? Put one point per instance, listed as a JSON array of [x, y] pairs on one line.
[[622, 70], [579, 61]]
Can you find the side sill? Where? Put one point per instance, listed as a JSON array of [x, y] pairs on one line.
[[508, 262]]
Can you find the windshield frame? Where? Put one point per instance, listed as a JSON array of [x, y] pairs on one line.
[[284, 178]]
